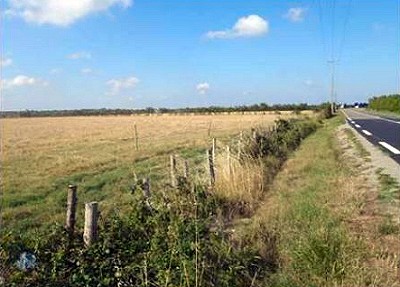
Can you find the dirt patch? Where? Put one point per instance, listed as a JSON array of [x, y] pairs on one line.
[[372, 218]]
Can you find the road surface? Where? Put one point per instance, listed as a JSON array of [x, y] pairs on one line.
[[380, 131]]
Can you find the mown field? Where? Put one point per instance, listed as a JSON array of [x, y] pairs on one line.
[[41, 156]]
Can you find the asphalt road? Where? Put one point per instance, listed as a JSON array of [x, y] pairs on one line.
[[383, 132]]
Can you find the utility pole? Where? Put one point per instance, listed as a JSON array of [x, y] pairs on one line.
[[332, 63]]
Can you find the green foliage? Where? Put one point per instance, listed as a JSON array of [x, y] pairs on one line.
[[390, 103], [284, 138], [178, 237], [173, 241], [388, 227], [390, 189]]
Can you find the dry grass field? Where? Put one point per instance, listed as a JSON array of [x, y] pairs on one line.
[[42, 155]]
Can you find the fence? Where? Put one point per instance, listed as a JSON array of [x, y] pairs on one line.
[[92, 208]]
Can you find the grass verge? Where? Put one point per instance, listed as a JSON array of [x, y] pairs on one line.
[[308, 210]]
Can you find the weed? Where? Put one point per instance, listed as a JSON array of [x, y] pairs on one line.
[[390, 189], [388, 227]]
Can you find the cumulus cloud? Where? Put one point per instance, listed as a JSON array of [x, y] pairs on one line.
[[248, 26], [22, 80], [202, 88], [117, 85], [60, 12], [79, 55], [296, 14], [5, 62]]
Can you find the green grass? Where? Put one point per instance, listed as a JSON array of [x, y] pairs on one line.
[[362, 152], [388, 227], [308, 210], [390, 189], [42, 206]]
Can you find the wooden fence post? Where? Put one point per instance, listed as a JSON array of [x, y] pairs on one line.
[[209, 129], [172, 165], [90, 229], [255, 135], [146, 193], [214, 148], [240, 144], [136, 138], [186, 171], [71, 208], [146, 188], [228, 159], [211, 167]]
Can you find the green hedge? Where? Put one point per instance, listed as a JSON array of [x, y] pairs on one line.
[[390, 103]]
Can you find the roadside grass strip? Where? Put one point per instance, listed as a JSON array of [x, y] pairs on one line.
[[316, 245], [390, 148]]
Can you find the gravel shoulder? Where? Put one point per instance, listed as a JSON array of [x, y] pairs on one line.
[[378, 158]]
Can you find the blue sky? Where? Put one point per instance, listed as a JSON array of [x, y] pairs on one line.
[[177, 53]]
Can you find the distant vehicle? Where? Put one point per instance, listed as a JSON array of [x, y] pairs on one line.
[[358, 105]]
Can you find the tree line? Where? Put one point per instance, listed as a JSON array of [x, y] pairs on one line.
[[151, 110], [390, 103]]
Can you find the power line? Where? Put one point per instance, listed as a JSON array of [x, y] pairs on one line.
[[333, 30], [322, 27], [332, 61], [398, 46], [346, 22]]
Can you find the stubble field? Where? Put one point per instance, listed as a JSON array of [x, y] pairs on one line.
[[41, 156]]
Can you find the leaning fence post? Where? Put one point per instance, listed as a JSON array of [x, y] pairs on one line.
[[211, 167], [71, 208], [90, 229], [172, 164]]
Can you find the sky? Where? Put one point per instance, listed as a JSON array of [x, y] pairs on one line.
[[177, 53]]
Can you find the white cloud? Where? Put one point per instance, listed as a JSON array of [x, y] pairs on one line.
[[5, 62], [296, 14], [22, 80], [117, 85], [79, 55], [86, 71], [60, 12], [202, 88], [249, 26]]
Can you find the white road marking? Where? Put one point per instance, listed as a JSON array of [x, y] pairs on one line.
[[353, 122], [389, 147], [358, 126], [367, 132], [376, 117], [350, 119]]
